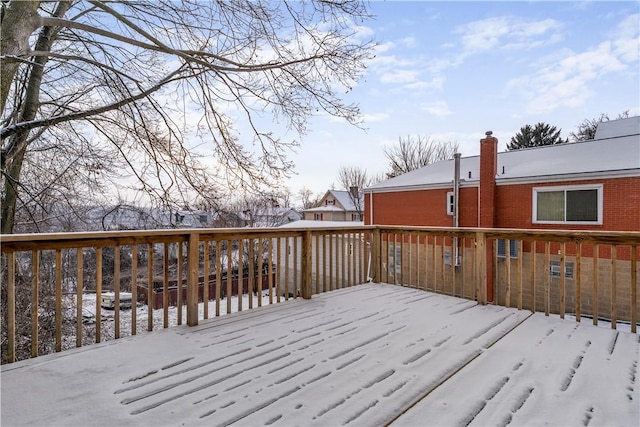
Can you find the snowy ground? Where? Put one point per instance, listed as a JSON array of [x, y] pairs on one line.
[[366, 355], [108, 315]]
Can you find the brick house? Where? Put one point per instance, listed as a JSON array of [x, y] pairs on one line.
[[591, 185], [337, 205]]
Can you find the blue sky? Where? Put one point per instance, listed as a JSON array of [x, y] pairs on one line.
[[453, 70]]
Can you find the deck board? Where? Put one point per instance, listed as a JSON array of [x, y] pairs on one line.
[[569, 373], [361, 356]]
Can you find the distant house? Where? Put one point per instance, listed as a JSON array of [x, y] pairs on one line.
[[127, 217], [269, 216], [337, 205], [591, 185], [130, 217], [191, 219]]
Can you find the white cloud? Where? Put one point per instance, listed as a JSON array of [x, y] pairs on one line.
[[409, 42], [433, 84], [438, 108], [399, 76], [506, 32], [626, 37], [384, 47], [565, 79], [628, 28], [375, 117]]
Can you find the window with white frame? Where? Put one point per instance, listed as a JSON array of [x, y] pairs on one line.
[[451, 203], [581, 204], [317, 217], [329, 202]]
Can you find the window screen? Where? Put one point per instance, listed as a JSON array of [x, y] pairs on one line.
[[551, 206], [582, 205]]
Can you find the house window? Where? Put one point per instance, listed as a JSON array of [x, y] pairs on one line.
[[451, 203], [329, 202], [581, 204], [554, 269], [356, 217], [513, 248], [317, 217]]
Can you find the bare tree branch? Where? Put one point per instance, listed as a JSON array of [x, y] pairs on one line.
[[415, 152]]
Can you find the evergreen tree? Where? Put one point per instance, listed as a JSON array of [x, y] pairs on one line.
[[536, 136]]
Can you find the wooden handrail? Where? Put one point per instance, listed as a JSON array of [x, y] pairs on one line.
[[439, 259]]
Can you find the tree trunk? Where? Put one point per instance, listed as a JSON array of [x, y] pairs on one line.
[[19, 21], [17, 145]]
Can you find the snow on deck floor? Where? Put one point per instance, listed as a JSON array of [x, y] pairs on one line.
[[361, 356]]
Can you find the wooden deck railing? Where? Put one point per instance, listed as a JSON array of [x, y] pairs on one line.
[[48, 279], [519, 268], [52, 283]]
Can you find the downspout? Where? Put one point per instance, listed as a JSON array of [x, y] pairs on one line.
[[456, 189], [369, 278], [456, 199]]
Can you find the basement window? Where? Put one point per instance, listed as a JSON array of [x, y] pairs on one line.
[[513, 248], [554, 269], [577, 204]]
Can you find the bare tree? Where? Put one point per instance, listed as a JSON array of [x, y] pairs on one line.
[[148, 97], [354, 180], [308, 199], [415, 152]]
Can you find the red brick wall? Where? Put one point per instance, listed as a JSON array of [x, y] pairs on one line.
[[423, 207], [514, 203], [621, 212]]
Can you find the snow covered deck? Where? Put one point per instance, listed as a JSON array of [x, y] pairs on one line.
[[366, 355]]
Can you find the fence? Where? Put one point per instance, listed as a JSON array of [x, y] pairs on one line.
[[52, 283], [578, 273]]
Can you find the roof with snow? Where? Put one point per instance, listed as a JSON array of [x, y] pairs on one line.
[[342, 197], [306, 223], [620, 127], [327, 208], [615, 152]]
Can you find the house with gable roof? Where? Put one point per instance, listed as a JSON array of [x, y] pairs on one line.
[[590, 185], [337, 205]]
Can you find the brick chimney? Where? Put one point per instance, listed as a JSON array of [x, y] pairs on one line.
[[488, 171]]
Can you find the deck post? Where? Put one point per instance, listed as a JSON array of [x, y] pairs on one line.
[[11, 307], [193, 263], [307, 264], [375, 256], [481, 268], [634, 288]]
